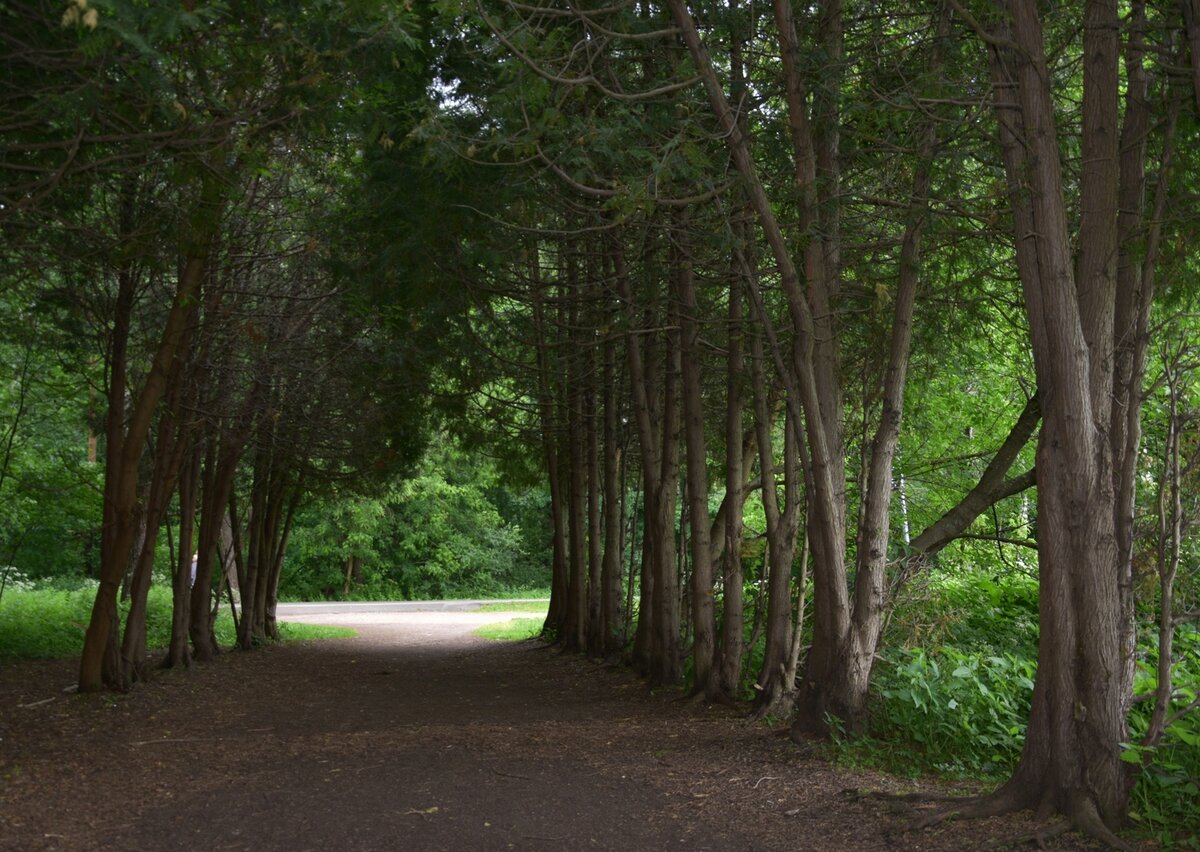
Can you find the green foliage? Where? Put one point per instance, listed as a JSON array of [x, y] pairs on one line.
[[452, 530], [1164, 799], [49, 493], [958, 702], [45, 623], [540, 607], [49, 623], [513, 630], [965, 712], [978, 610]]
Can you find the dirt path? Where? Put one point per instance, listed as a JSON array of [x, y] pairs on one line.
[[418, 736]]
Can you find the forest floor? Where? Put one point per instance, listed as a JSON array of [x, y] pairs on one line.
[[417, 735]]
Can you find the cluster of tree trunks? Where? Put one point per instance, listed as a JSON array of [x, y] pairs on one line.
[[1085, 251]]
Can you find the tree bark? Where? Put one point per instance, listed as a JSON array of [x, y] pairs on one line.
[[1071, 761], [729, 664], [169, 453], [125, 443], [704, 625], [611, 616], [658, 443], [550, 450]]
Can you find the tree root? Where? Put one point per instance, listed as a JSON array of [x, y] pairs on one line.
[[1002, 801], [1038, 836], [1086, 818], [1082, 817], [774, 700], [921, 798]]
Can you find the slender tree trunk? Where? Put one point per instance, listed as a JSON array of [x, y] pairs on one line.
[[575, 631], [124, 447], [1139, 239], [658, 646], [595, 630], [555, 616], [843, 689], [666, 665], [781, 522], [289, 502], [703, 604], [217, 485], [729, 673], [611, 618], [169, 453], [179, 654]]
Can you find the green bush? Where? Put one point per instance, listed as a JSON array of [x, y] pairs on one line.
[[965, 712], [958, 703], [453, 529], [1164, 799]]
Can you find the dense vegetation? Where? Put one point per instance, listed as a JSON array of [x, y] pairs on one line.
[[836, 360]]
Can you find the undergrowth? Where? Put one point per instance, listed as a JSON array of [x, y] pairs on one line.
[[49, 623], [951, 693]]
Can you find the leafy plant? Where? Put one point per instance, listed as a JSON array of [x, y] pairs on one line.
[[1164, 798], [964, 710]]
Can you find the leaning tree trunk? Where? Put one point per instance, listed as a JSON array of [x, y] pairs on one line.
[[289, 501], [842, 688], [125, 443], [217, 484], [168, 457]]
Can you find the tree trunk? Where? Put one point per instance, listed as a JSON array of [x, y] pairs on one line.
[[575, 626], [704, 625], [1071, 761], [595, 630], [771, 693], [729, 662], [216, 486], [611, 617], [125, 443], [658, 441], [548, 427]]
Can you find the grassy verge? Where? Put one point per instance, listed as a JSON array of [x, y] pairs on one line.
[[50, 623], [512, 630], [540, 607]]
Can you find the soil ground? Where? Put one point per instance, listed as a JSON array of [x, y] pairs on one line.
[[416, 735]]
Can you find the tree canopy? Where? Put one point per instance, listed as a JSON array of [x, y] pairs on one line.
[[746, 330]]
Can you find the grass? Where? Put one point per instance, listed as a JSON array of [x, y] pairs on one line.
[[540, 607], [512, 630], [50, 623]]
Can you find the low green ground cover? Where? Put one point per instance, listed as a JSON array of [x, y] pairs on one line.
[[47, 623], [512, 630], [541, 607], [951, 695]]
